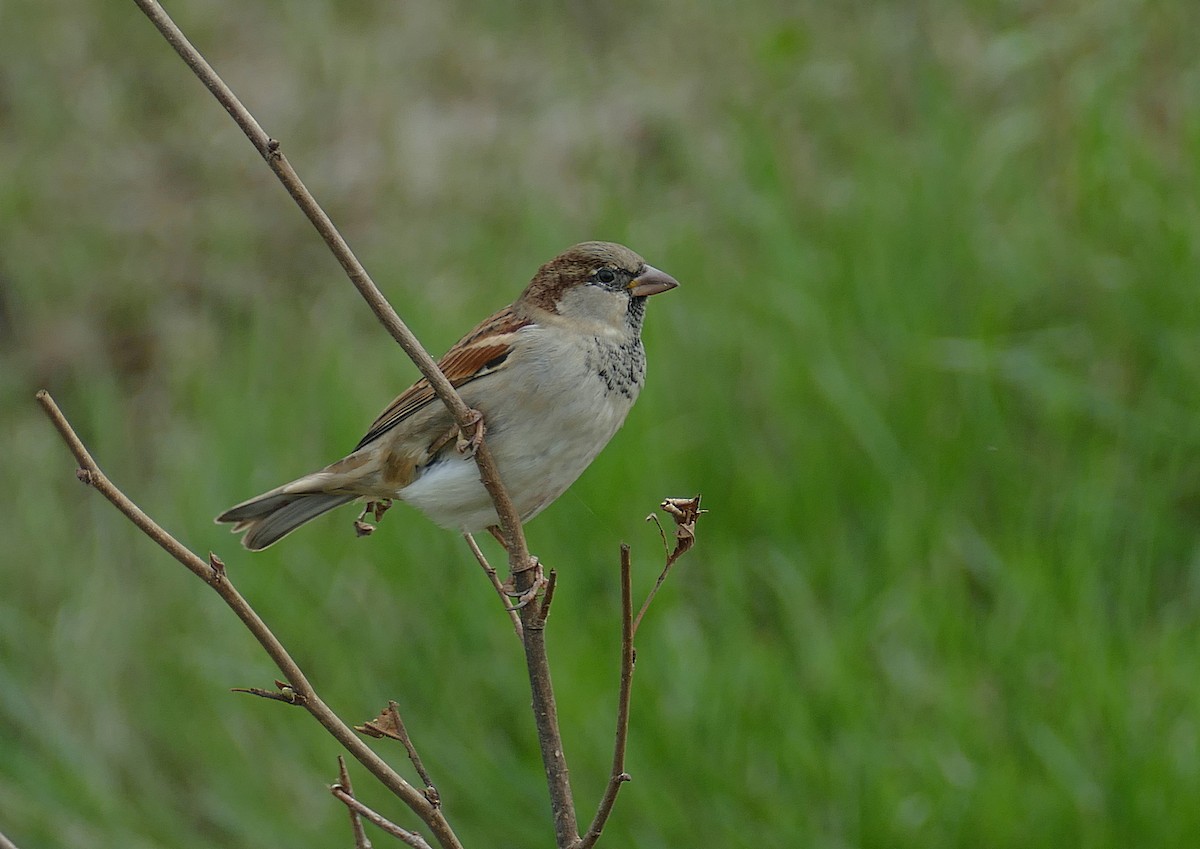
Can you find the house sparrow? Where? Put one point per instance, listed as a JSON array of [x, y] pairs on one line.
[[554, 376]]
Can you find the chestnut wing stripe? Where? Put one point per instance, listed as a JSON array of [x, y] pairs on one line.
[[461, 366]]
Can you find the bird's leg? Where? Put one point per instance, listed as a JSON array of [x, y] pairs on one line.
[[469, 444]]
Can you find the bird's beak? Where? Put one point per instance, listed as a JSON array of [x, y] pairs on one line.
[[650, 282]]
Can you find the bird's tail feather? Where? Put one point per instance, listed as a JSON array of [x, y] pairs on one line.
[[273, 515]]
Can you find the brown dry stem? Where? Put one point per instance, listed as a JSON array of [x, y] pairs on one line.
[[618, 775], [218, 580], [494, 578]]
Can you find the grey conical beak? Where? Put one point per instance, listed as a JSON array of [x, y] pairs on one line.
[[650, 282]]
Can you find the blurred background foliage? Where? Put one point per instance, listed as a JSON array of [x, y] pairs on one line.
[[934, 365]]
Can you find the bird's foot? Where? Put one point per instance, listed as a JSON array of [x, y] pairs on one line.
[[523, 597], [470, 444], [376, 508]]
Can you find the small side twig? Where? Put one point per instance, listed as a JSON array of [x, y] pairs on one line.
[[409, 838], [547, 598], [685, 512], [662, 576], [389, 724], [628, 657], [361, 841], [494, 578], [283, 692]]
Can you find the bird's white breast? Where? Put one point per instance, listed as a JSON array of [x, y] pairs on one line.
[[548, 413]]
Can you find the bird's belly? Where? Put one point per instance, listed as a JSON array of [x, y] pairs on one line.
[[543, 438]]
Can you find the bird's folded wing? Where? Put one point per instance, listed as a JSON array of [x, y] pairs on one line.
[[481, 352]]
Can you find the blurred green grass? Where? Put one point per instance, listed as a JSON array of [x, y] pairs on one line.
[[934, 366]]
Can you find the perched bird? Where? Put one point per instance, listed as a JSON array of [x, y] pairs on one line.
[[554, 376]]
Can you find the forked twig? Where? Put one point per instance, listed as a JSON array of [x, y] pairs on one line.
[[410, 838], [216, 578], [361, 841]]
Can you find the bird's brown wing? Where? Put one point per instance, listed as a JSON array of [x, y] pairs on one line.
[[478, 354]]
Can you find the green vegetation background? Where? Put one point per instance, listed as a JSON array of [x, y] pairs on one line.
[[935, 366]]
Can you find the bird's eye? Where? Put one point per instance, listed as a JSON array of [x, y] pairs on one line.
[[606, 275]]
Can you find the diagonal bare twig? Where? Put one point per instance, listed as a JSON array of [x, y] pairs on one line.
[[216, 578], [545, 710], [497, 584], [283, 692]]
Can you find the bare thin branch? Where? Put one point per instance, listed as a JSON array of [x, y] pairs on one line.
[[89, 473], [662, 576], [618, 775], [494, 578], [361, 841], [544, 709], [430, 791], [219, 581], [410, 838]]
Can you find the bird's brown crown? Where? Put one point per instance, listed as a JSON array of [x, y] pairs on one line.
[[574, 266]]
